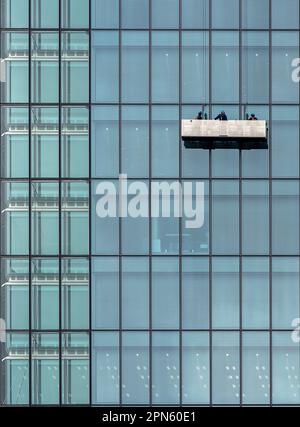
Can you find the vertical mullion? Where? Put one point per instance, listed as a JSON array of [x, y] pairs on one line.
[[180, 219], [29, 204], [90, 210], [60, 198], [120, 219], [150, 205], [241, 206], [270, 200]]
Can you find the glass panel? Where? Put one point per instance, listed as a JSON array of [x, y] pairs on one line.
[[255, 163], [285, 222], [14, 13], [165, 14], [165, 293], [256, 14], [44, 218], [285, 47], [75, 13], [195, 368], [285, 292], [75, 218], [256, 368], [285, 14], [105, 368], [194, 162], [165, 135], [75, 369], [255, 67], [225, 64], [135, 227], [14, 218], [285, 142], [165, 227], [135, 141], [45, 369], [195, 293], [14, 56], [165, 66], [105, 141], [286, 369], [105, 13], [255, 217], [105, 293], [256, 293], [14, 293], [44, 13], [75, 142], [135, 66], [135, 13], [225, 14], [44, 142], [226, 368], [75, 67], [195, 67], [165, 368], [14, 143], [195, 13], [135, 293], [14, 356], [45, 294], [75, 293], [44, 67], [225, 217], [135, 368], [105, 231], [105, 66], [225, 293]]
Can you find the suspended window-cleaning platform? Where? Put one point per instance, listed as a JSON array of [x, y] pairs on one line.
[[213, 134]]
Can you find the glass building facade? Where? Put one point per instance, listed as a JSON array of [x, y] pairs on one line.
[[123, 311]]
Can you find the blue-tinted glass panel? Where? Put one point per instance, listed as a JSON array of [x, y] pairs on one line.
[[105, 368], [75, 13], [135, 368], [165, 14], [285, 14], [195, 67], [195, 293], [286, 369], [165, 66], [44, 13], [225, 14], [135, 13], [285, 221], [105, 293], [255, 217], [285, 142], [135, 66], [256, 14], [105, 66], [105, 13], [226, 368], [135, 293], [225, 218], [165, 147], [255, 67], [256, 293], [165, 368], [14, 14], [105, 141], [195, 368], [225, 293], [285, 47], [135, 141], [195, 14], [225, 66], [285, 292], [256, 368], [165, 293]]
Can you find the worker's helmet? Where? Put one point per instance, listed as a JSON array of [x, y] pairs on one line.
[[252, 115], [222, 112]]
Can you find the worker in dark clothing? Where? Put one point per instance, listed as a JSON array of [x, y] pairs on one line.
[[221, 116], [199, 116], [253, 117]]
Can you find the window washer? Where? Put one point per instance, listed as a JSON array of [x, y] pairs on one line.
[[199, 116], [221, 116], [253, 117]]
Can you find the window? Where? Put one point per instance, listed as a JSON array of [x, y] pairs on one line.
[[135, 14], [256, 14], [105, 13], [165, 14], [225, 14]]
